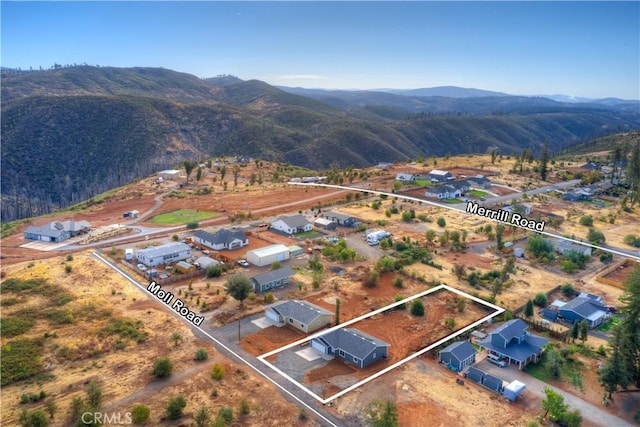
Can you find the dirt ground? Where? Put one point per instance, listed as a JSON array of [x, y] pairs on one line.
[[94, 285], [270, 338], [621, 273]]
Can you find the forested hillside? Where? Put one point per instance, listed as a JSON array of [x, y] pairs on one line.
[[71, 133]]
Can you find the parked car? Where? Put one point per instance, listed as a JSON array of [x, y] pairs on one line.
[[142, 267], [496, 360], [612, 308], [243, 262], [206, 252]]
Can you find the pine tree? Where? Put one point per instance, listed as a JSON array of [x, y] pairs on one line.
[[544, 161], [615, 374]]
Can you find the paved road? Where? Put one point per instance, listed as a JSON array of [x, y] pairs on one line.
[[590, 412], [539, 190], [229, 347]]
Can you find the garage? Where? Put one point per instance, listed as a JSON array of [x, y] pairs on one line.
[[268, 255], [272, 315], [317, 345]]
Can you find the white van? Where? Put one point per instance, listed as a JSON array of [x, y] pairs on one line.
[[496, 360], [128, 254]]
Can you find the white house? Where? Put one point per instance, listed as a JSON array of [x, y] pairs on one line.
[[163, 254], [405, 177], [169, 174], [437, 175], [292, 224], [268, 255], [222, 239], [443, 192]]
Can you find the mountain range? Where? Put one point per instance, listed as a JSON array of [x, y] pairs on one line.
[[73, 132]]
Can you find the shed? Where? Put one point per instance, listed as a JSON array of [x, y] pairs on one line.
[[550, 314], [185, 267], [475, 375], [513, 390], [458, 355], [295, 250], [204, 262], [268, 255], [492, 383], [325, 224]]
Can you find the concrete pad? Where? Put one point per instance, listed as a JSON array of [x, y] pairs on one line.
[[309, 354], [262, 322]]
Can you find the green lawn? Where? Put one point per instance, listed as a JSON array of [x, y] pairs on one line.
[[606, 326], [569, 372], [182, 216], [452, 201], [422, 182], [477, 193], [308, 235], [599, 203]]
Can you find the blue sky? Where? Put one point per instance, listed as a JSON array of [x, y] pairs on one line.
[[589, 49]]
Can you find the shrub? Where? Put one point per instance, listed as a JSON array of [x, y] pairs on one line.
[[193, 225], [67, 268], [397, 282], [244, 408], [586, 220], [441, 222], [606, 257], [162, 367], [595, 236], [69, 257], [371, 279], [140, 413], [217, 372], [568, 290], [417, 308], [213, 271], [225, 414], [269, 298], [175, 237], [201, 354], [302, 414], [175, 407], [632, 240], [449, 323], [540, 299], [276, 265]]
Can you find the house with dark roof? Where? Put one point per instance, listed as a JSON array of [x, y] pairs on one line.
[[514, 343], [479, 181], [458, 355], [325, 224], [576, 195], [163, 254], [57, 231], [293, 224], [343, 220], [272, 279], [352, 345], [301, 315], [463, 186], [437, 175], [585, 307], [444, 191], [221, 239]]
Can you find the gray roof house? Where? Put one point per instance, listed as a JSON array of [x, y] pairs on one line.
[[445, 191], [352, 345], [301, 315], [272, 279], [222, 239], [292, 224], [480, 181], [163, 254], [586, 308], [437, 175], [405, 177], [514, 343], [204, 261], [562, 246], [342, 219], [458, 355], [56, 231]]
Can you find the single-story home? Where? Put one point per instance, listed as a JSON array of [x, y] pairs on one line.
[[405, 177], [57, 231], [221, 239], [437, 175], [352, 345], [576, 195], [458, 355], [293, 224], [342, 219], [268, 255], [163, 254], [272, 279], [301, 315], [585, 308], [562, 246], [445, 191], [514, 343], [325, 224], [479, 181], [463, 186], [169, 174]]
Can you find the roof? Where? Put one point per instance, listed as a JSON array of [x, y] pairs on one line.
[[585, 307], [302, 311], [271, 276], [183, 264], [563, 245], [405, 177], [337, 215], [294, 221], [461, 350], [323, 221], [45, 230], [443, 188], [58, 228], [75, 225], [510, 329], [439, 172], [169, 248], [169, 172], [458, 184], [353, 341], [205, 261], [222, 236], [519, 352], [478, 334], [270, 250], [479, 178]]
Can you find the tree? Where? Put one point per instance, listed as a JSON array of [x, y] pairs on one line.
[[35, 418], [459, 270], [162, 367], [595, 236], [500, 228], [140, 413], [203, 418], [239, 287], [554, 405], [614, 374], [201, 354], [235, 171], [633, 173], [213, 270], [584, 330], [337, 311], [540, 299], [629, 346], [381, 414], [528, 308], [575, 331], [94, 395], [175, 407], [417, 307], [544, 160], [430, 235], [50, 406], [188, 168], [199, 174], [192, 225], [572, 418], [441, 222], [176, 338], [225, 414], [223, 173]]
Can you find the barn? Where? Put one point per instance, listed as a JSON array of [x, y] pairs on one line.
[[268, 255]]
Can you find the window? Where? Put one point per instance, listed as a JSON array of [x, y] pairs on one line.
[[302, 325], [356, 360], [290, 320], [374, 355], [341, 353]]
